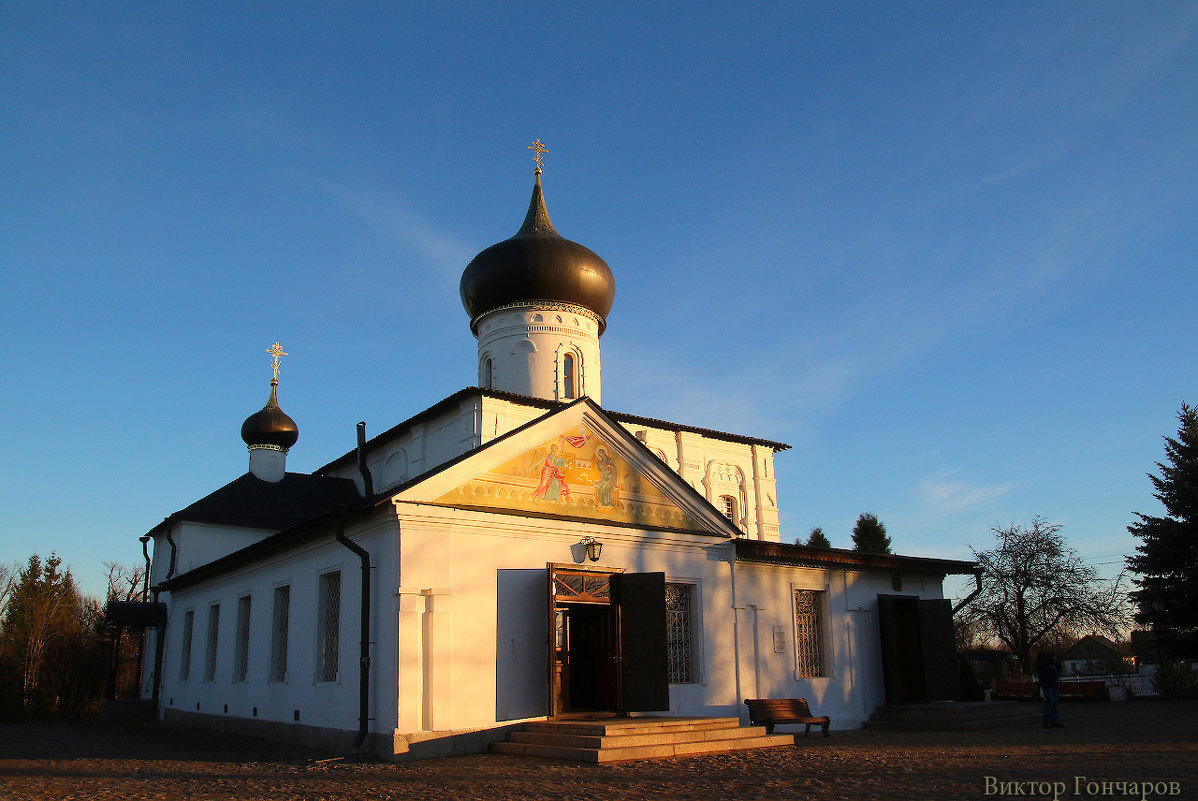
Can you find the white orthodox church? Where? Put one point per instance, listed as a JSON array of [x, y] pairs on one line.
[[518, 552]]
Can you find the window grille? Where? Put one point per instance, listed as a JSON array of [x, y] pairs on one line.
[[241, 657], [210, 653], [185, 658], [680, 649], [278, 637], [809, 633], [329, 626]]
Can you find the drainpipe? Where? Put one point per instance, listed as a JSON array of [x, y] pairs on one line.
[[364, 648], [364, 557], [977, 577]]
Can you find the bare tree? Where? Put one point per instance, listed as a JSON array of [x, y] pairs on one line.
[[125, 581], [1034, 586]]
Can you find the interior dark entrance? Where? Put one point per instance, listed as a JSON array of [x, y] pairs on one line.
[[587, 657], [918, 649], [608, 649]]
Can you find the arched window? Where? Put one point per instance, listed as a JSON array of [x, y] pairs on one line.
[[488, 374], [569, 388], [727, 505]]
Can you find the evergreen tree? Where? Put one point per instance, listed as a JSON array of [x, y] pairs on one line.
[[43, 616], [817, 539], [869, 535], [1166, 559]]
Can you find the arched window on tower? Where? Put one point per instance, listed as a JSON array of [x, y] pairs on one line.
[[569, 377], [488, 374]]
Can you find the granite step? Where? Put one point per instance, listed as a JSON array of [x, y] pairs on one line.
[[621, 739]]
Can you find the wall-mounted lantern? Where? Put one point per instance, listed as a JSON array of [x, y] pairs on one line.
[[593, 548]]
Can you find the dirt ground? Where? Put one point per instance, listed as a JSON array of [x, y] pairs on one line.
[[1137, 741]]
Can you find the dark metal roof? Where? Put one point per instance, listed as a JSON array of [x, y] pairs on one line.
[[537, 264], [250, 502], [527, 400], [778, 553]]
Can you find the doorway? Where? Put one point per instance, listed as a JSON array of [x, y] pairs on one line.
[[918, 650], [608, 641]]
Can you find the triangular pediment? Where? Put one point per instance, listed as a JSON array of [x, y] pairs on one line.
[[577, 463]]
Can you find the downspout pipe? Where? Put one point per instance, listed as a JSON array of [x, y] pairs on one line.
[[364, 647], [977, 577], [364, 557]]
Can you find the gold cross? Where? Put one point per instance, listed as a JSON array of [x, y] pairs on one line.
[[276, 352], [538, 149]]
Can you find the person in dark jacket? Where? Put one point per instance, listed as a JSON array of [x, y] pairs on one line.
[[1048, 673]]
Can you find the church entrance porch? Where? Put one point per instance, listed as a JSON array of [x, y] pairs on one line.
[[608, 636]]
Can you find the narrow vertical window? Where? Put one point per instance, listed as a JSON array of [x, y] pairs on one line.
[[568, 386], [278, 634], [680, 640], [241, 654], [809, 633], [185, 657], [210, 652], [728, 507], [489, 374], [328, 626]]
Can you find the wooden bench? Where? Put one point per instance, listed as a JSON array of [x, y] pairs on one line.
[[769, 712], [1016, 691], [1083, 691]]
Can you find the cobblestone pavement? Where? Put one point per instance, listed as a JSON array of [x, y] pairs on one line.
[[1138, 741]]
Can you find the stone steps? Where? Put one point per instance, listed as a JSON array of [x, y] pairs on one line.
[[952, 716], [617, 740]]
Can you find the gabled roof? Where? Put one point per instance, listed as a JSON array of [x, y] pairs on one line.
[[453, 400], [657, 497], [778, 553], [250, 502]]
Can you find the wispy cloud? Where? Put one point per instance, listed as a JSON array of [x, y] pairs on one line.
[[941, 494], [394, 219]]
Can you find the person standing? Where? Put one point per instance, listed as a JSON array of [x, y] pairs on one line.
[[1048, 673]]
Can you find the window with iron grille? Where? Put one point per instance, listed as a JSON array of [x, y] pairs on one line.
[[680, 640], [278, 634], [210, 653], [241, 656], [328, 626], [185, 657], [809, 633]]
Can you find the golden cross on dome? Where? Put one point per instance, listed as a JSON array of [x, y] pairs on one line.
[[276, 352], [538, 149]]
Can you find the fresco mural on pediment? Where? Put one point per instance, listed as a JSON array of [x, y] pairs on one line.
[[575, 474]]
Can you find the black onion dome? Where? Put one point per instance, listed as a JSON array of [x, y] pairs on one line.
[[271, 425], [537, 264]]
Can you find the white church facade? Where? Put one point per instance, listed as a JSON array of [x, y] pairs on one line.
[[518, 552]]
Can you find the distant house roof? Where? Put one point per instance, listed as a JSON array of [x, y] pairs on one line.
[[526, 400], [250, 502], [1094, 646], [801, 555]]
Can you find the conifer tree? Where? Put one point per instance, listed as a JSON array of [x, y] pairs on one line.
[[1166, 559], [817, 539], [869, 535]]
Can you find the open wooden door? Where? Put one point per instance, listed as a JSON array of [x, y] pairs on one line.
[[643, 662], [941, 680]]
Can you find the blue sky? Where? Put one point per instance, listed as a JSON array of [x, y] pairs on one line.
[[944, 250]]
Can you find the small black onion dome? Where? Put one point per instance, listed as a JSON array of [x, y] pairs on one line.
[[271, 425], [537, 264]]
